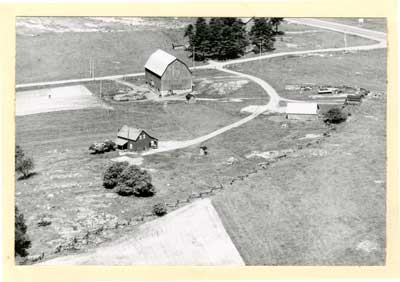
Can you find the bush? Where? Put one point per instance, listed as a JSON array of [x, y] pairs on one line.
[[335, 115], [19, 154], [112, 174], [22, 242], [160, 209], [135, 181], [25, 167]]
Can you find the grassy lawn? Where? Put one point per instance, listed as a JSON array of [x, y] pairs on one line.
[[365, 69]]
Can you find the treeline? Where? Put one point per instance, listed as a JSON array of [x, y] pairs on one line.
[[227, 38]]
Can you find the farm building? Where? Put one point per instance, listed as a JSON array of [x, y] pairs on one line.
[[135, 139], [166, 74], [302, 111]]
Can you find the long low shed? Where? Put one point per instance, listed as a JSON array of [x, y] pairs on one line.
[[302, 111]]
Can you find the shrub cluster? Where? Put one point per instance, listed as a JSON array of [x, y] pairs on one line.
[[334, 116], [128, 180], [112, 173], [160, 209]]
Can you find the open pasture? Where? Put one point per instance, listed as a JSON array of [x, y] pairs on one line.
[[55, 99], [324, 205]]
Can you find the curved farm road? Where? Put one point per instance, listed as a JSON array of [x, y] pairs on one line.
[[273, 104]]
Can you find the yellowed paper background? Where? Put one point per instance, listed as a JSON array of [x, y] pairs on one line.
[[322, 8]]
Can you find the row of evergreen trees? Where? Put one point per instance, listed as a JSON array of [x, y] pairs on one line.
[[227, 38]]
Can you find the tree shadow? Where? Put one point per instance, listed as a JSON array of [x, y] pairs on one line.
[[23, 177]]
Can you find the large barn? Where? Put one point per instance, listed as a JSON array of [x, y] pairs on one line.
[[166, 74], [129, 138]]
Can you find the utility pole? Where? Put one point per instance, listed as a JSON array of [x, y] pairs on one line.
[[193, 54], [345, 40], [90, 66], [261, 42]]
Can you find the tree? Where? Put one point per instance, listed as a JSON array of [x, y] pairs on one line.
[[22, 242], [276, 22], [112, 174], [334, 115], [262, 35], [221, 38], [135, 181], [25, 167]]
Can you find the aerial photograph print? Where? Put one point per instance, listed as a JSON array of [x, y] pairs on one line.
[[200, 141]]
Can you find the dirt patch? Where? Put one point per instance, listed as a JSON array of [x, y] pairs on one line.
[[131, 161], [220, 86], [56, 99]]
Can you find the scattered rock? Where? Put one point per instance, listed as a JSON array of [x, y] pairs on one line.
[[44, 221], [231, 161], [367, 246]]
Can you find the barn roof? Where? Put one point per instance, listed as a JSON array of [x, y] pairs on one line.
[[159, 61], [302, 108], [129, 132]]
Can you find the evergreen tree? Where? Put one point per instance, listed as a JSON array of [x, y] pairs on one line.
[[200, 40], [262, 35], [221, 38], [276, 22], [22, 242], [189, 33]]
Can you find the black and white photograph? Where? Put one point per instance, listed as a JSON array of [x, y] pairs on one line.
[[200, 141]]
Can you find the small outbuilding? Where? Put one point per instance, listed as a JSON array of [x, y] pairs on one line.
[[302, 111], [133, 139], [167, 75]]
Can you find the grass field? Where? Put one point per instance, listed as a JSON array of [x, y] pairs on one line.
[[198, 228], [125, 50], [323, 206], [378, 24], [67, 185], [326, 207], [359, 69]]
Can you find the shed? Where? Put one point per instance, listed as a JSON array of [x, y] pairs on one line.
[[353, 99], [166, 74], [129, 138], [302, 111]]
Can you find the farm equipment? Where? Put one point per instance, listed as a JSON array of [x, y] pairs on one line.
[[328, 90], [100, 148]]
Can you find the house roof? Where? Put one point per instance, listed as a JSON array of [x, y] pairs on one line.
[[246, 20], [302, 108], [129, 132], [121, 142], [159, 61]]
